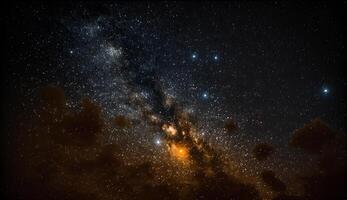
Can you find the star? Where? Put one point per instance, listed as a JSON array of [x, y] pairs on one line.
[[158, 142], [194, 56], [325, 90], [215, 57], [71, 52], [205, 95]]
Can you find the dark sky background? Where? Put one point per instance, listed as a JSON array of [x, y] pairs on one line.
[[270, 67]]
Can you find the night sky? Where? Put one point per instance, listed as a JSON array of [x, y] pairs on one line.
[[174, 100]]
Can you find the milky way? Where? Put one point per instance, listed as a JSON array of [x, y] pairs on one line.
[[174, 101]]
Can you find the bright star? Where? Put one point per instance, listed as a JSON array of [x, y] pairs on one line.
[[325, 90], [205, 95], [215, 57], [157, 142], [71, 52], [194, 56]]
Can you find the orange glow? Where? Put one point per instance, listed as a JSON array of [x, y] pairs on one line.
[[179, 152]]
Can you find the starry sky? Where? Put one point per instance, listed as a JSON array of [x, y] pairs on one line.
[[174, 100]]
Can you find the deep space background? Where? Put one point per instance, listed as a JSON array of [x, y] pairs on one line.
[[174, 100]]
